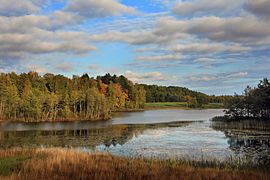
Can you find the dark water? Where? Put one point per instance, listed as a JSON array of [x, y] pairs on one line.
[[158, 133]]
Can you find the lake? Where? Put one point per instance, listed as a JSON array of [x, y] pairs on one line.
[[154, 133]]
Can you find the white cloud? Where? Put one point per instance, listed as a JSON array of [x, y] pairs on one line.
[[29, 23], [133, 37], [216, 78], [208, 48], [202, 78], [140, 78], [65, 67], [37, 69], [170, 26], [241, 30], [204, 60], [23, 24], [205, 6], [62, 18], [145, 49], [30, 34], [234, 29], [231, 29], [164, 31], [17, 8], [259, 7], [100, 8], [237, 75], [166, 57], [19, 45]]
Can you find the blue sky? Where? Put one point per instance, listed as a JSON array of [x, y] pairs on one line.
[[217, 47]]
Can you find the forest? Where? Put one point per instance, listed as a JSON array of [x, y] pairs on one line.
[[254, 103], [194, 99], [30, 97], [155, 93]]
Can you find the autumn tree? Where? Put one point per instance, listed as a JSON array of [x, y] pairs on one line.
[[31, 97]]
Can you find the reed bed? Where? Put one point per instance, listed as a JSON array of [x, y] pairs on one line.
[[223, 123], [59, 163]]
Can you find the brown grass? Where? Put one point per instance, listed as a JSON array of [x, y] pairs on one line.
[[70, 164]]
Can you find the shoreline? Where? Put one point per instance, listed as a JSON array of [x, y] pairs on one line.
[[236, 119], [71, 119], [146, 108], [128, 110], [54, 121]]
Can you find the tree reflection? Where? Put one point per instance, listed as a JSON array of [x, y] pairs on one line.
[[90, 138], [249, 139]]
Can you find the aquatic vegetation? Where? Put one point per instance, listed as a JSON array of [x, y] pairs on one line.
[[223, 123]]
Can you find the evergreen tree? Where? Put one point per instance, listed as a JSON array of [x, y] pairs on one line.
[[254, 103]]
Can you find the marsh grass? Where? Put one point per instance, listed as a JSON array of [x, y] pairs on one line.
[[71, 164], [223, 123]]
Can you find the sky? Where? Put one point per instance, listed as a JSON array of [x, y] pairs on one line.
[[216, 47]]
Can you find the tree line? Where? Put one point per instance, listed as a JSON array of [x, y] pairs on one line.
[[155, 93], [194, 99], [31, 97], [253, 103]]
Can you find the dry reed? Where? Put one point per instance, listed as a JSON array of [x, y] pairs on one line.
[[70, 164]]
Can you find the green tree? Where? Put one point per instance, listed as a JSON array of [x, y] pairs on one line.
[[253, 103]]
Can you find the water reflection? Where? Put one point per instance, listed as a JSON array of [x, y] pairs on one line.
[[196, 140], [249, 139], [90, 138], [161, 133]]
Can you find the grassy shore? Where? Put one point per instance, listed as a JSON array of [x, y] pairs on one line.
[[180, 105], [69, 164]]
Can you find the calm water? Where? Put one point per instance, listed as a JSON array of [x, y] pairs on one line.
[[158, 133]]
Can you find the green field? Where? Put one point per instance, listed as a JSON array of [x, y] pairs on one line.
[[181, 105], [214, 106], [8, 164]]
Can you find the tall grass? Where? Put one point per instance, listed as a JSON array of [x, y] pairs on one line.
[[70, 164], [223, 123]]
